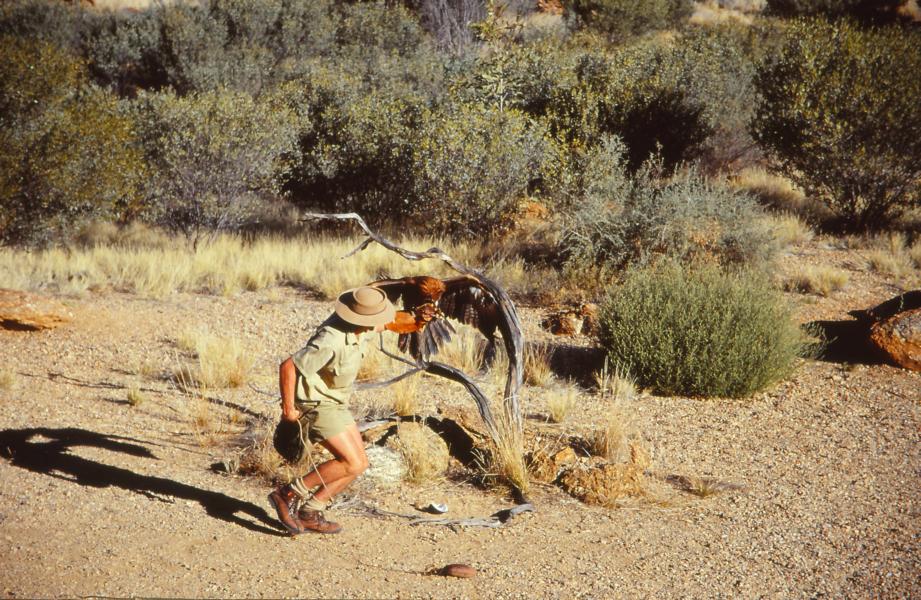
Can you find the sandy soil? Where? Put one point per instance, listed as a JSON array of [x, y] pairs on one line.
[[103, 498]]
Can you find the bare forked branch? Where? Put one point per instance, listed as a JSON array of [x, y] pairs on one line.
[[509, 324]]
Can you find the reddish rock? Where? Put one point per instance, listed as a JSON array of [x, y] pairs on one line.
[[899, 338], [25, 311], [458, 570], [564, 322]]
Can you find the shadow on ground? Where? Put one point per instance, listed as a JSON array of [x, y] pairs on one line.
[[47, 451], [846, 341]]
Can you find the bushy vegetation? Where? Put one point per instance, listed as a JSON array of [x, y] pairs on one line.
[[620, 19], [445, 117], [626, 220], [702, 332], [213, 155], [472, 165], [66, 149], [840, 115], [870, 10]]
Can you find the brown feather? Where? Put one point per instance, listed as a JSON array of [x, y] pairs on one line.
[[462, 298]]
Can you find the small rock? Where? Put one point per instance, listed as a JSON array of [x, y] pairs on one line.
[[458, 570]]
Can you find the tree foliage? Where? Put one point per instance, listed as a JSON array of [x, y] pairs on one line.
[[67, 150], [840, 114]]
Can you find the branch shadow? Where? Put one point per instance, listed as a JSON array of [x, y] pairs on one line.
[[51, 456]]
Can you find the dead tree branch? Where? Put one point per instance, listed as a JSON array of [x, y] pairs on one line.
[[509, 324]]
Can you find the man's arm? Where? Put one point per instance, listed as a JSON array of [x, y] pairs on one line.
[[287, 379]]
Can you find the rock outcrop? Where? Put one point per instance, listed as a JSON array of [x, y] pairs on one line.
[[30, 312], [899, 338]]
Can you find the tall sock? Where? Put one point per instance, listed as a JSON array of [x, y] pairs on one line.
[[314, 504], [300, 489]]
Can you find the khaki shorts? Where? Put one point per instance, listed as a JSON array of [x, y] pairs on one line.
[[325, 419]]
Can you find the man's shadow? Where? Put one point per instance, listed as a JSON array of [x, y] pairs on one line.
[[51, 456]]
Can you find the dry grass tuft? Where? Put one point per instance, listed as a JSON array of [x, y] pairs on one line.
[[616, 383], [537, 371], [424, 453], [819, 280], [135, 396], [914, 253], [404, 396], [259, 458], [789, 229], [891, 255], [506, 460], [561, 399], [465, 350], [780, 194], [703, 487], [611, 440], [221, 362], [7, 379]]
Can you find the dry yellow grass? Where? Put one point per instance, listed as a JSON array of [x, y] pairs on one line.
[[890, 255], [221, 361], [7, 379], [226, 265], [260, 459], [425, 454], [615, 382], [914, 253], [465, 351], [404, 396], [135, 396], [561, 399], [507, 454], [537, 371], [710, 12], [819, 280], [788, 229], [611, 439]]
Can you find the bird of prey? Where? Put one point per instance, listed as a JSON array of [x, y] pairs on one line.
[[427, 304]]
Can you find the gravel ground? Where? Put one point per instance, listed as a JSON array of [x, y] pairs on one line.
[[103, 498]]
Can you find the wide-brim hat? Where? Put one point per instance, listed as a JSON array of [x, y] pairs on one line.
[[365, 306]]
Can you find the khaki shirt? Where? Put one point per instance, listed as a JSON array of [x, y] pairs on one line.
[[328, 364]]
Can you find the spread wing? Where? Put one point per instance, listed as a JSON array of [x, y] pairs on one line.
[[467, 301], [462, 299]]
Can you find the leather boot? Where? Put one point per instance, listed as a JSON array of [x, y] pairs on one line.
[[313, 521], [283, 499]]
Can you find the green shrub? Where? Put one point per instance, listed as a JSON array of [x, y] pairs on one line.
[[471, 166], [840, 114], [241, 45], [622, 220], [123, 50], [628, 93], [871, 10], [213, 157], [701, 332], [60, 24], [357, 146], [620, 19], [67, 151]]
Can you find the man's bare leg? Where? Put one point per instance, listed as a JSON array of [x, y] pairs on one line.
[[349, 450]]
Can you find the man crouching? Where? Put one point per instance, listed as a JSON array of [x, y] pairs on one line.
[[315, 385]]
